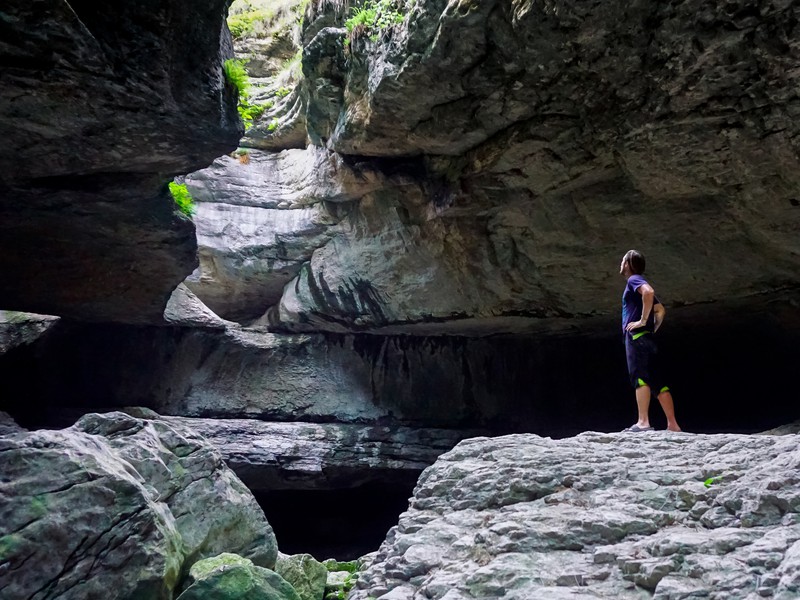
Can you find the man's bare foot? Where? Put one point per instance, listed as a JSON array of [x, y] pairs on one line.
[[674, 428]]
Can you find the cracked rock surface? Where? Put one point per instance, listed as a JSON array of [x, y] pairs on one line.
[[658, 515], [120, 503]]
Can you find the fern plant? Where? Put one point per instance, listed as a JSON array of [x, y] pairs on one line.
[[183, 199]]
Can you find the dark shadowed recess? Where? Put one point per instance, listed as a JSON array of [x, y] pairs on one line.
[[344, 524], [725, 377]]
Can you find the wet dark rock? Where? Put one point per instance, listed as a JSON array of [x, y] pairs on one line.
[[101, 106]]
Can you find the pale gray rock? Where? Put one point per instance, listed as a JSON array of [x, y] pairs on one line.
[[115, 502], [600, 516], [305, 574], [274, 456], [258, 222], [185, 309], [8, 425], [547, 130], [17, 329]]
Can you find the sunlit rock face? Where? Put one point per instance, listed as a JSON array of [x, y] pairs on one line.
[[657, 515], [99, 107], [549, 139]]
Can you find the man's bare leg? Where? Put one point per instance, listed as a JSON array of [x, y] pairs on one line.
[[667, 405], [643, 403]]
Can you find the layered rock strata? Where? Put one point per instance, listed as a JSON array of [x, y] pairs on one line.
[[655, 515], [308, 456], [119, 503], [99, 107], [551, 385]]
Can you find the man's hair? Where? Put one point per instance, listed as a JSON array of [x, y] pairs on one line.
[[635, 260]]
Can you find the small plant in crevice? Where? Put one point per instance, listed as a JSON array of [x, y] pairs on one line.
[[273, 125], [183, 199], [374, 17], [712, 480], [236, 74]]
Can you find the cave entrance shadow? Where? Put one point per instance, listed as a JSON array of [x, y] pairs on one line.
[[342, 523]]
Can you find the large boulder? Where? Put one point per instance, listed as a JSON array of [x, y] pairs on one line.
[[100, 105], [306, 574], [231, 577], [600, 515], [120, 503]]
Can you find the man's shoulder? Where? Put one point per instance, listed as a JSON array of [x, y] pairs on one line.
[[634, 281]]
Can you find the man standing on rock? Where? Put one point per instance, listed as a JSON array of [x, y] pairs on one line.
[[642, 315]]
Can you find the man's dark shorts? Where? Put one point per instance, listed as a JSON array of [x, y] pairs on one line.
[[642, 355]]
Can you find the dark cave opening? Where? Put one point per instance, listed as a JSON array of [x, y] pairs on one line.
[[344, 524]]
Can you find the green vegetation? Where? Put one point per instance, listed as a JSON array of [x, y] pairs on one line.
[[236, 75], [243, 23], [282, 92], [712, 480], [182, 197], [376, 16], [339, 592], [273, 125]]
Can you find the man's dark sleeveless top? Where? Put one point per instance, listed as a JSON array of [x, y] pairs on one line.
[[632, 306]]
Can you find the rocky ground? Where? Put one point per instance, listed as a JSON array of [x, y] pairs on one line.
[[662, 515]]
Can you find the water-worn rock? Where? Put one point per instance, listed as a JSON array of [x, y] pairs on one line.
[[186, 309], [306, 574], [231, 577], [120, 503], [276, 456], [259, 221], [100, 106], [600, 515]]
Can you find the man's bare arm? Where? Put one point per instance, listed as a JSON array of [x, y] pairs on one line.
[[658, 315]]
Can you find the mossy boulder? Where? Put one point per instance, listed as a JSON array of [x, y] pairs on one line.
[[231, 577], [306, 574], [341, 578]]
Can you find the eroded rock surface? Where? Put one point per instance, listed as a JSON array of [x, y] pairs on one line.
[[600, 515], [99, 107], [296, 456], [551, 138], [120, 503], [260, 220]]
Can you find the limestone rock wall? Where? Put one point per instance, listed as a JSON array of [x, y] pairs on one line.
[[547, 140], [99, 107]]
